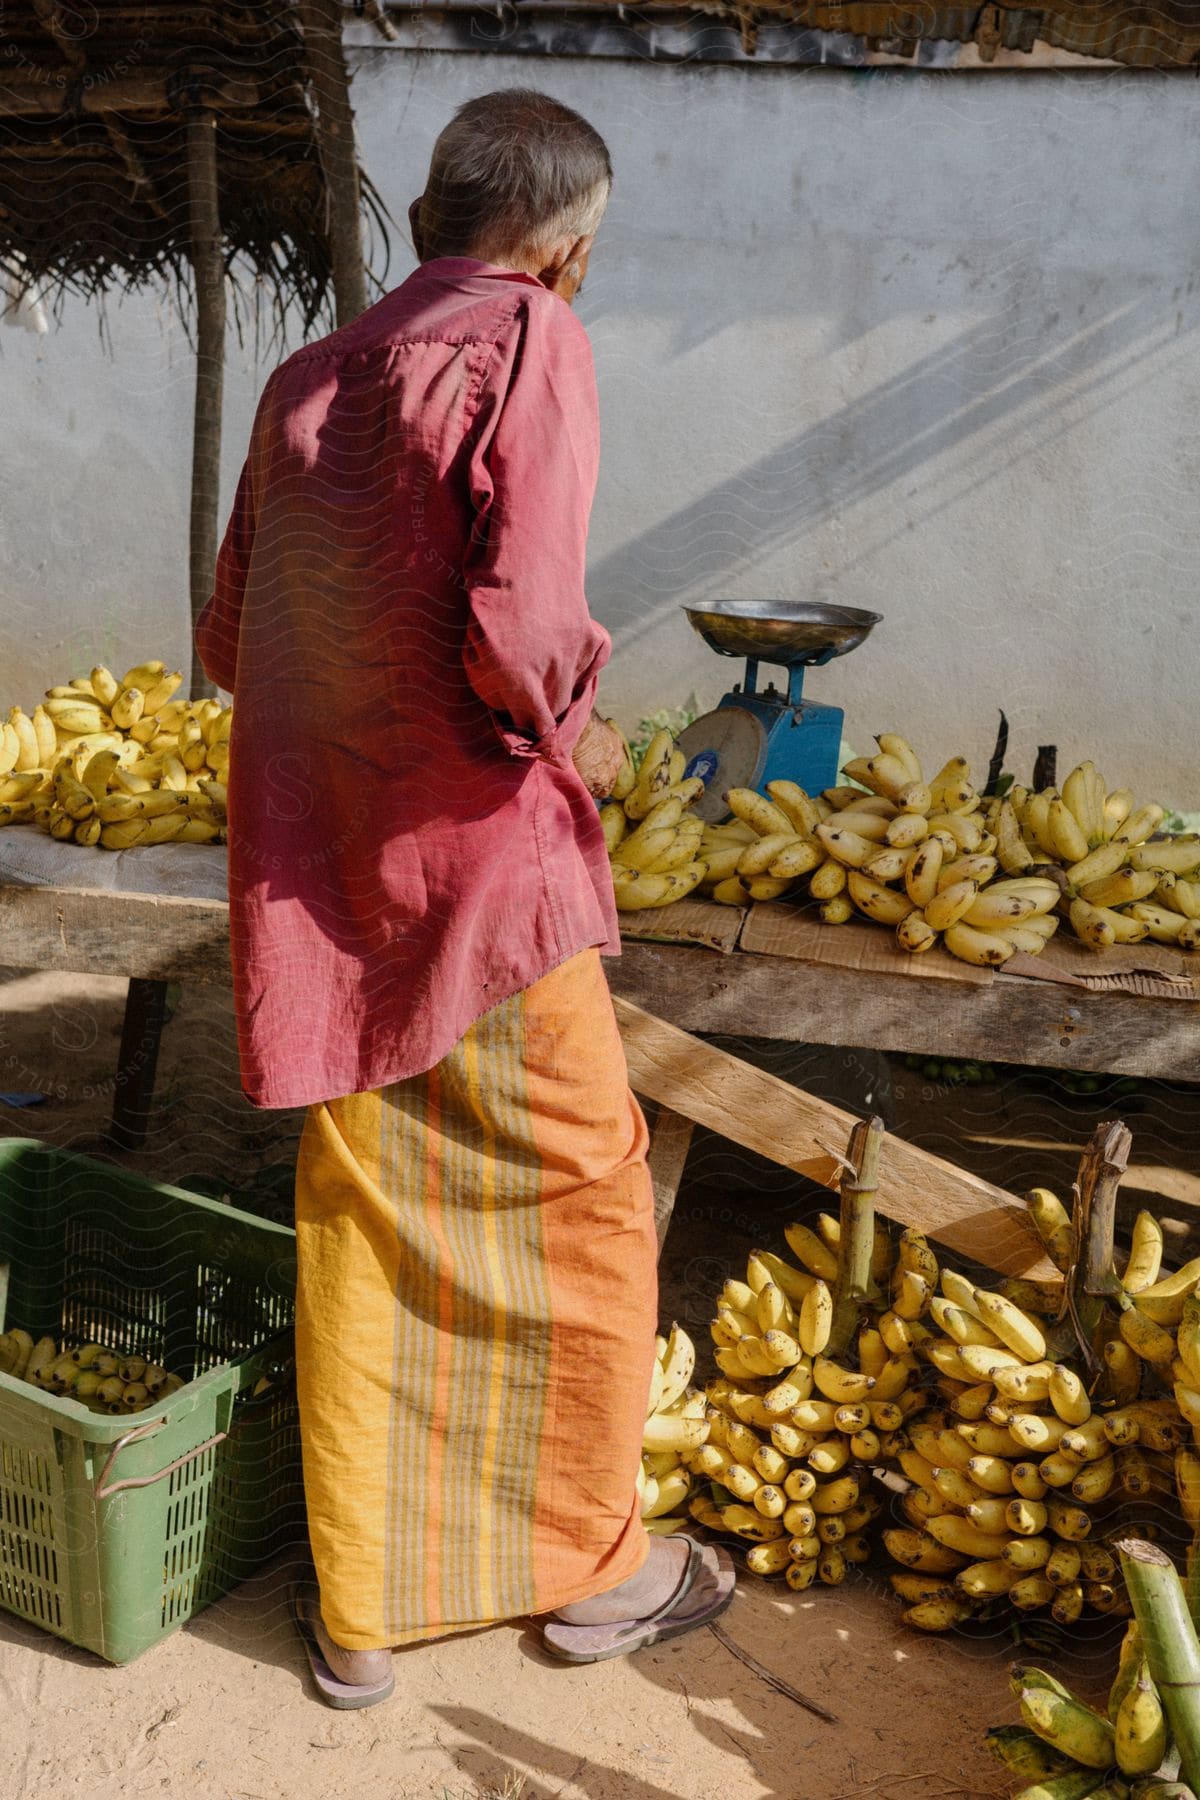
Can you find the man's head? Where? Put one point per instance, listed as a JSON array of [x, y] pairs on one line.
[[519, 180]]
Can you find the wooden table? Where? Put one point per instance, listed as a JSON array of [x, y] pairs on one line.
[[154, 940], [1013, 1019]]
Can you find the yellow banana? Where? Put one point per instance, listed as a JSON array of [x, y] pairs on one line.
[[99, 772], [984, 949], [923, 872], [1069, 1726], [950, 904], [816, 1319], [762, 815], [958, 1534], [996, 908], [1120, 889], [920, 1552], [883, 904], [28, 750], [1015, 1329], [812, 1252], [839, 1384], [1139, 825], [900, 750], [844, 845], [1068, 1396], [1094, 1481], [1053, 1224], [1140, 1727]]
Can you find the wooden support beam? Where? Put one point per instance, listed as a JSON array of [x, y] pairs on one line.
[[208, 265], [800, 1132], [147, 94], [670, 1139], [322, 24]]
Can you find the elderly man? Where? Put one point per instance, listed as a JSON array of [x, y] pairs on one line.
[[419, 899]]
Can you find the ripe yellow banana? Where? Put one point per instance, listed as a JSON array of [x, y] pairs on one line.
[[816, 1256], [28, 749], [828, 879], [886, 906], [845, 846], [915, 935], [762, 815], [1120, 889], [984, 949], [950, 904], [816, 1319], [797, 858], [1139, 825], [837, 911], [1069, 1726]]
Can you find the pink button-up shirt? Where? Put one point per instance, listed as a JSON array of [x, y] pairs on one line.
[[399, 613]]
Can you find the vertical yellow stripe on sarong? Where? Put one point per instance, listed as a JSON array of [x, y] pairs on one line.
[[471, 1437]]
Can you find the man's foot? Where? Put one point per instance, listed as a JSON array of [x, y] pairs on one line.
[[653, 1585], [700, 1594], [346, 1679]]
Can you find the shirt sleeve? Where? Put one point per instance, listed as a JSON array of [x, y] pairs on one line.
[[533, 652]]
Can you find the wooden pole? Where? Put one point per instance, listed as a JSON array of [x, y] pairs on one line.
[[321, 20], [208, 266]]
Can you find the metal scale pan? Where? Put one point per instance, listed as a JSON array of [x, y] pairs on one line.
[[751, 737]]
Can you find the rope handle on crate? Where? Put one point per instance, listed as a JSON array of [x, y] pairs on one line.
[[105, 1489]]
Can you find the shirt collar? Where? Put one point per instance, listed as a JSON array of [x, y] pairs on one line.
[[455, 269]]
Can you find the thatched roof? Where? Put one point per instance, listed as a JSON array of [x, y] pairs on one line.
[[94, 102], [1144, 34]]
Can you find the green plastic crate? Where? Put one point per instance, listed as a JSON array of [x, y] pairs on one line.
[[113, 1531]]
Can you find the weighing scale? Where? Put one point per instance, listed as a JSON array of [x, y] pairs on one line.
[[754, 737]]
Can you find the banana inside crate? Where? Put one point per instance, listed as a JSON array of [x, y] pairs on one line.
[[100, 1378], [118, 763], [933, 859]]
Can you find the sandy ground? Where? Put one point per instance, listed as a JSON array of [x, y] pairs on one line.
[[223, 1709]]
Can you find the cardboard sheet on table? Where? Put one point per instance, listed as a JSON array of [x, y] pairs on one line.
[[1153, 971], [28, 858], [698, 922], [776, 930]]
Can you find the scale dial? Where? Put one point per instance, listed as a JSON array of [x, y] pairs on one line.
[[726, 748]]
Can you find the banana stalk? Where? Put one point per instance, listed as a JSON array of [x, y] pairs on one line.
[[855, 1285], [1171, 1646]]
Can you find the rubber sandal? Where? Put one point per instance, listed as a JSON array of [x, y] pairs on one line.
[[705, 1589], [346, 1696]]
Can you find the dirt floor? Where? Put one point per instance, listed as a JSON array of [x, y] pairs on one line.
[[223, 1710]]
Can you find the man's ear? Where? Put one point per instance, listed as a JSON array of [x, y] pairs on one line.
[[414, 226], [561, 256]]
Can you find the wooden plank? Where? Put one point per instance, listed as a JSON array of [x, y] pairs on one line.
[[800, 1132], [90, 932], [1010, 1020], [670, 1137]]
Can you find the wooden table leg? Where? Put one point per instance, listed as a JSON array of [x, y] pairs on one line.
[[670, 1136], [137, 1061]]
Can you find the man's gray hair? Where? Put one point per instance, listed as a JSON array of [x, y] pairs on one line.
[[514, 171]]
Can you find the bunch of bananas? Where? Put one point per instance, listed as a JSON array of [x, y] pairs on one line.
[[1033, 1452], [97, 1377], [1066, 1750], [653, 838], [794, 1430], [118, 762], [937, 863], [675, 1427], [1120, 883]]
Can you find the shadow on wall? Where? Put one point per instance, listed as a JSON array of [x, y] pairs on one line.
[[990, 399]]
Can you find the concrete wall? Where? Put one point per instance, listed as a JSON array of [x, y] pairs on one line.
[[918, 343]]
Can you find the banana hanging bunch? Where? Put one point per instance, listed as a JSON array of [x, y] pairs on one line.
[[653, 838], [796, 1430], [1066, 1750], [675, 1427], [118, 762], [1121, 884], [97, 1377]]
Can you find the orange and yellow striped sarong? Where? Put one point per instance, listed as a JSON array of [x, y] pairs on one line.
[[475, 1325]]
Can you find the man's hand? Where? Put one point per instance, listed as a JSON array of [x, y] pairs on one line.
[[598, 756]]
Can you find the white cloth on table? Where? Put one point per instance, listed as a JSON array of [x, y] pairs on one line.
[[28, 858]]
